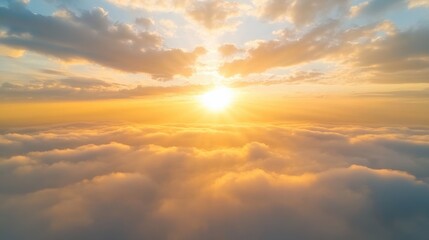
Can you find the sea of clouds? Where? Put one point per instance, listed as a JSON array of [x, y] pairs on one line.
[[122, 181]]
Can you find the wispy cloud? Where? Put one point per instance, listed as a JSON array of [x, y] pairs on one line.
[[78, 88]]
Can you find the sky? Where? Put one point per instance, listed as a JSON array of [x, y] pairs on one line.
[[203, 119]]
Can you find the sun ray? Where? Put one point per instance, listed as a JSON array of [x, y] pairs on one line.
[[217, 99]]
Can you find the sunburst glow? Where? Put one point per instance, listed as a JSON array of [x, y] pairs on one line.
[[217, 99]]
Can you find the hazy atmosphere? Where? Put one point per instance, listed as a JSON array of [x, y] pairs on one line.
[[203, 119]]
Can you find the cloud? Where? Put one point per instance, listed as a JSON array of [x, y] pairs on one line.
[[93, 37], [423, 93], [299, 12], [213, 14], [79, 88], [73, 88], [228, 49], [11, 52], [84, 83], [169, 28], [294, 78], [418, 3], [374, 53], [153, 5], [145, 22], [292, 50], [163, 182], [379, 7], [401, 57]]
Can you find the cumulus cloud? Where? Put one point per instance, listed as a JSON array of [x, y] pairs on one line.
[[401, 57], [304, 12], [299, 12], [325, 40], [228, 49], [213, 14], [215, 182], [92, 36], [145, 22], [377, 53]]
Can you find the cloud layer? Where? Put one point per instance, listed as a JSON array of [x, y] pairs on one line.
[[79, 88], [214, 182]]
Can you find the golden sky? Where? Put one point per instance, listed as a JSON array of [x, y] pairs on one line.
[[204, 119], [149, 61]]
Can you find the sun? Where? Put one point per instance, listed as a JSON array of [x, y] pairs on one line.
[[217, 99]]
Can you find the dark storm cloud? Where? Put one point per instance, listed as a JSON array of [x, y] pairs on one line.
[[94, 37]]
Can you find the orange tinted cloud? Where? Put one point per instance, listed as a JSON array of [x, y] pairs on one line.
[[299, 12], [213, 14], [396, 57], [79, 88], [228, 50], [94, 37], [166, 183]]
